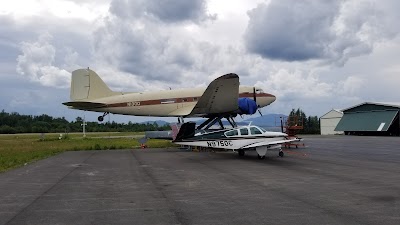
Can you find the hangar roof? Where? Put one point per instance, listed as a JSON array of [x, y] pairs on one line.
[[333, 111], [370, 106]]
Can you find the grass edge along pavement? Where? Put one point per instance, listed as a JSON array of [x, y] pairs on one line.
[[20, 149]]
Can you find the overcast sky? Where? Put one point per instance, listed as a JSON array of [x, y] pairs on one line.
[[313, 55]]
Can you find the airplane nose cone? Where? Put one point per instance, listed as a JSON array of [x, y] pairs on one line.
[[273, 98], [265, 99], [270, 99]]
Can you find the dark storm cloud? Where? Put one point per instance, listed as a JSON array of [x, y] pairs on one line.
[[333, 31], [290, 30], [143, 51], [169, 11]]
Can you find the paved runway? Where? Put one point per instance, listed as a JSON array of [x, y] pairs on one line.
[[335, 180]]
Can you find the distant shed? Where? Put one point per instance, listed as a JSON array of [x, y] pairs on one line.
[[371, 118], [329, 121]]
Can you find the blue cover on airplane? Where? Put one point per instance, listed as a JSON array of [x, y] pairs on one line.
[[247, 105]]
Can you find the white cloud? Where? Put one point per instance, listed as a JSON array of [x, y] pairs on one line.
[[36, 62], [350, 86], [295, 85]]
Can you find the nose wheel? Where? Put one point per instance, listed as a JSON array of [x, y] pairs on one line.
[[101, 118]]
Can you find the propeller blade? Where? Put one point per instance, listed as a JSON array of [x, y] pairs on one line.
[[254, 94]]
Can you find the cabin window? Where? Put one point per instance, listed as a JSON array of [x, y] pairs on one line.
[[255, 130], [195, 99], [184, 100], [244, 131], [231, 133]]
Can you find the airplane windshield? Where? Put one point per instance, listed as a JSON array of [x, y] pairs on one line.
[[255, 130], [259, 91]]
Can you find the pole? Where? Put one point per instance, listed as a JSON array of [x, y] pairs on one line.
[[84, 125]]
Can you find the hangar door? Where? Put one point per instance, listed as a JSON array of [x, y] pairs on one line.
[[376, 121]]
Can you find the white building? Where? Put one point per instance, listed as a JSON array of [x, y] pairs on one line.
[[329, 121]]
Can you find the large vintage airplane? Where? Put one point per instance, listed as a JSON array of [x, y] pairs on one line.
[[223, 98], [240, 139]]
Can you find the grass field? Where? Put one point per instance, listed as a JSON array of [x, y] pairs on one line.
[[18, 149]]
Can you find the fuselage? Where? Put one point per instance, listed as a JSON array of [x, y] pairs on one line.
[[236, 138], [168, 102]]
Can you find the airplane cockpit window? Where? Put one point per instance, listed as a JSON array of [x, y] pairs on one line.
[[255, 130], [259, 91], [262, 129], [244, 131], [231, 133]]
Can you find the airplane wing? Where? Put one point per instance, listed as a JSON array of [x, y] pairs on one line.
[[85, 105], [220, 97], [272, 143]]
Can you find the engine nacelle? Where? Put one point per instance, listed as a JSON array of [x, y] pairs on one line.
[[247, 106]]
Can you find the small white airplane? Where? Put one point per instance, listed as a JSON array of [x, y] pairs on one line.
[[240, 139], [223, 98]]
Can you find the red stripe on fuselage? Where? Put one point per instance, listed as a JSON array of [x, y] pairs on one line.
[[177, 100]]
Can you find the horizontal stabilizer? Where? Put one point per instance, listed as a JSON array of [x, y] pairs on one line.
[[85, 105]]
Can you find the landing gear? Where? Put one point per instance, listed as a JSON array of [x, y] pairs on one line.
[[281, 154], [261, 157], [241, 152], [101, 118]]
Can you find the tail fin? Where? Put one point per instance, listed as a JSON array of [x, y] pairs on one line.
[[86, 85], [186, 130]]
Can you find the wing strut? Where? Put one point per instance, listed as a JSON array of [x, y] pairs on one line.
[[212, 120]]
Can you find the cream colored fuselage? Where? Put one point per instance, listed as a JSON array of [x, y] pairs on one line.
[[167, 103]]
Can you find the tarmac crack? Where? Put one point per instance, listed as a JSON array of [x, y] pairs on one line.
[[48, 190], [179, 216]]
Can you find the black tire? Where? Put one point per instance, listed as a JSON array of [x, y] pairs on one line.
[[261, 157], [100, 118], [241, 152], [281, 154]]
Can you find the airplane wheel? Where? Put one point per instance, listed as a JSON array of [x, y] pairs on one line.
[[241, 152], [100, 118], [261, 157], [281, 154]]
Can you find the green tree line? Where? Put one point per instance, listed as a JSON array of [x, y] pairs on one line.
[[12, 123], [311, 124]]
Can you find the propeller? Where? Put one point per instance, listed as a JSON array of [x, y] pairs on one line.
[[255, 99], [254, 95]]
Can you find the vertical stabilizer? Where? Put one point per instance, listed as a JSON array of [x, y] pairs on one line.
[[86, 85]]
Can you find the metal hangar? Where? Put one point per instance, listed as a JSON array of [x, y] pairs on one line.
[[329, 121], [371, 118]]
